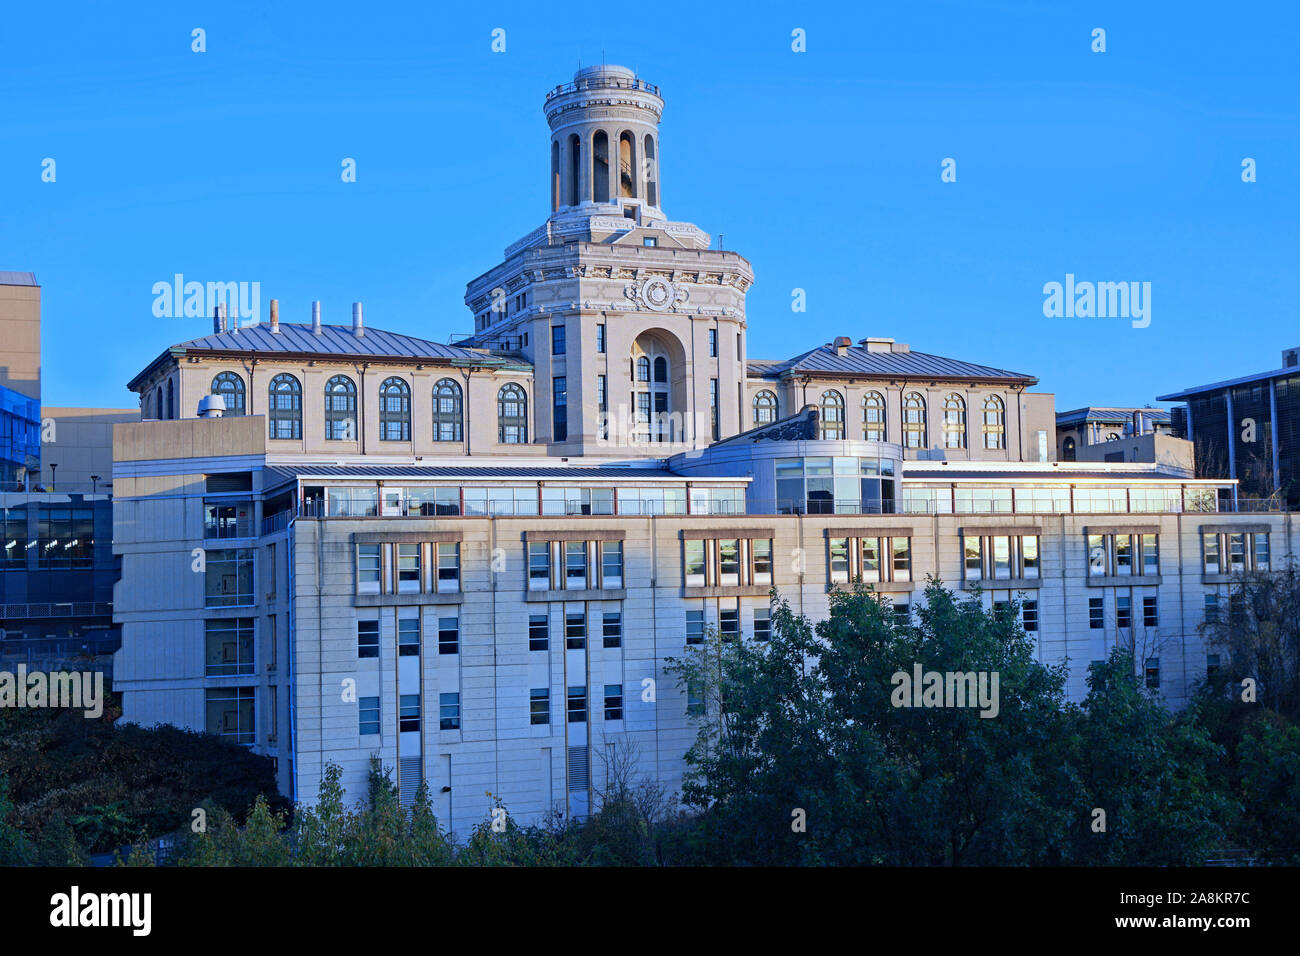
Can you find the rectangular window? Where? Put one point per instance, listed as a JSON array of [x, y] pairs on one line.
[[611, 564], [600, 337], [1210, 548], [729, 624], [575, 630], [448, 635], [539, 706], [973, 548], [729, 562], [762, 623], [557, 340], [575, 565], [229, 646], [1123, 554], [448, 567], [368, 715], [1029, 615], [368, 567], [1211, 665], [761, 549], [1096, 613], [1236, 553], [449, 711], [902, 565], [539, 565], [1150, 554], [694, 563], [1153, 672], [870, 554], [713, 343], [1029, 566], [695, 627], [1001, 556], [1097, 562], [408, 713], [367, 639], [1150, 612], [1261, 550], [713, 406], [695, 706], [613, 629], [560, 408], [613, 701], [577, 705], [539, 633], [408, 637], [902, 615], [408, 567], [1123, 611], [1237, 607], [839, 549], [228, 577]]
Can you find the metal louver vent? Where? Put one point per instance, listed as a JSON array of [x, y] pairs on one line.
[[579, 768], [408, 780]]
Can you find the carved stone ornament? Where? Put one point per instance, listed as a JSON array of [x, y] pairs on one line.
[[656, 294]]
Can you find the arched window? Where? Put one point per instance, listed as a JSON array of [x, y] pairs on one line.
[[1113, 436], [873, 417], [995, 423], [446, 411], [512, 415], [158, 403], [661, 369], [230, 386], [643, 369], [954, 421], [394, 410], [627, 165], [1067, 449], [651, 167], [575, 170], [913, 420], [340, 409], [171, 398], [600, 166], [764, 407], [832, 408], [284, 407]]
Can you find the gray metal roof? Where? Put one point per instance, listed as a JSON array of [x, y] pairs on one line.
[[17, 278], [333, 340], [858, 361], [1230, 383], [1094, 413]]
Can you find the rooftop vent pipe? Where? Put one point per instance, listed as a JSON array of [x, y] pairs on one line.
[[315, 318], [357, 328], [275, 316]]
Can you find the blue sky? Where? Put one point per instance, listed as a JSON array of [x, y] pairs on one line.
[[822, 168]]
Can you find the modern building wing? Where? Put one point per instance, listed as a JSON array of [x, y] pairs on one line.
[[1248, 428]]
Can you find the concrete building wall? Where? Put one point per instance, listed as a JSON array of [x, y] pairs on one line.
[[20, 334], [81, 444]]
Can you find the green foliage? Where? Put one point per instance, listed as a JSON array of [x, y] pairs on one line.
[[109, 784]]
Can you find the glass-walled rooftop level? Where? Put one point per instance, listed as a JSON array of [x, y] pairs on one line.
[[1063, 498], [20, 439], [524, 500]]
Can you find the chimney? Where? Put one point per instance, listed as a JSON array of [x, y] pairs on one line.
[[842, 344], [357, 328], [275, 316], [315, 318], [221, 317], [216, 321], [1137, 423]]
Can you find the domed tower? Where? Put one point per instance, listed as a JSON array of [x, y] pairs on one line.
[[605, 142], [629, 327]]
